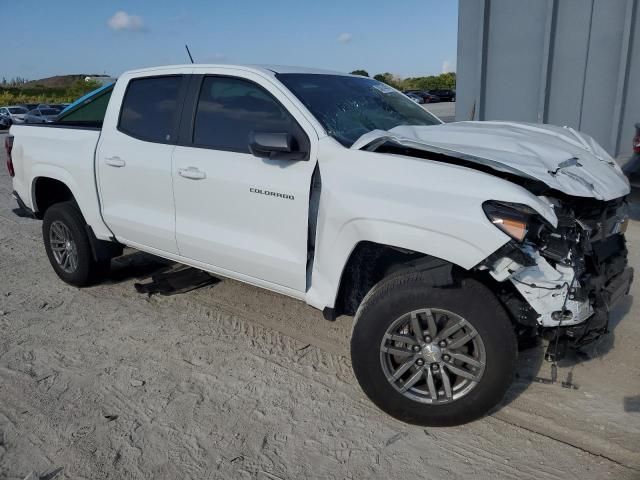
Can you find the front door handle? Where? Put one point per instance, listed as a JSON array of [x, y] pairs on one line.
[[115, 161], [192, 173]]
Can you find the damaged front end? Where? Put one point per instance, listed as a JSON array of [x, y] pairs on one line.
[[565, 279], [565, 267]]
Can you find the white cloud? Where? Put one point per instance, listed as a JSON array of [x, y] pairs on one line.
[[345, 37], [448, 66], [123, 21]]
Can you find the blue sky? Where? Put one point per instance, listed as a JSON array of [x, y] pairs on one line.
[[408, 38]]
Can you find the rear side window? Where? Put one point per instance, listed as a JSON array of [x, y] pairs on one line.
[[150, 108], [89, 112], [229, 109]]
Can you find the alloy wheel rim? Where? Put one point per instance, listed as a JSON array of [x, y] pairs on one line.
[[432, 356], [63, 246]]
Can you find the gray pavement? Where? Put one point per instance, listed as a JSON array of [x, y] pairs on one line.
[[446, 111]]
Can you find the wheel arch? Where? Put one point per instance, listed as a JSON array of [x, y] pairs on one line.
[[47, 191], [370, 262], [335, 254]]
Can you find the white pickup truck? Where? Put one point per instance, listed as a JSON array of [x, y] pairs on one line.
[[448, 242]]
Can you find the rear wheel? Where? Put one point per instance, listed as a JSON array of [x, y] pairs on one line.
[[433, 356], [68, 247]]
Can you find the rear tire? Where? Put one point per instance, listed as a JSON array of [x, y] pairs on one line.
[[68, 246], [386, 366]]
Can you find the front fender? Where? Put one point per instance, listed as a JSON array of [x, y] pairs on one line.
[[421, 205], [331, 259]]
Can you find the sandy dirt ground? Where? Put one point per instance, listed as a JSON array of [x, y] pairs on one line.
[[229, 381]]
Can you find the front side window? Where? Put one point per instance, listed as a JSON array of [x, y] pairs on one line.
[[150, 108], [18, 110], [348, 107], [229, 109]]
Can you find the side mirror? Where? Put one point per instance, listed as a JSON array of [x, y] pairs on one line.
[[276, 146]]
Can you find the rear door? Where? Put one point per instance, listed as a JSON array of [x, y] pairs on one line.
[[134, 162], [242, 214]]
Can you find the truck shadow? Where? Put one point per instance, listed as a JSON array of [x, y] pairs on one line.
[[532, 367], [137, 265], [157, 275]]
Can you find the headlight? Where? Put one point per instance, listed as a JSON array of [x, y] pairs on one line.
[[514, 219]]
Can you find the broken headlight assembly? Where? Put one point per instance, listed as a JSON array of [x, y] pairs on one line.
[[516, 220]]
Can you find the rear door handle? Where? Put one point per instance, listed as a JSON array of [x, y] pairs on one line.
[[115, 161], [192, 173]]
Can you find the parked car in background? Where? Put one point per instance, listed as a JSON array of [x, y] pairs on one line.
[[57, 107], [415, 98], [61, 106], [444, 95], [41, 115], [5, 122], [14, 112], [426, 96]]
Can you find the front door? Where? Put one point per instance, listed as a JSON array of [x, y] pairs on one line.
[[240, 213]]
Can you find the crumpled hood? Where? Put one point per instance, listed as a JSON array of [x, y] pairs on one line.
[[562, 158]]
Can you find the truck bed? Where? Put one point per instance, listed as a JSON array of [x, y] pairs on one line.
[[62, 152]]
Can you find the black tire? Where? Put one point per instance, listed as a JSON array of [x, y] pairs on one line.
[[88, 271], [397, 296]]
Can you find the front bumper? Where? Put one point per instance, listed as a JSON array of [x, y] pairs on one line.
[[573, 300], [597, 325]]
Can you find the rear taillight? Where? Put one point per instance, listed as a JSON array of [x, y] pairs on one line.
[[8, 145], [636, 143]]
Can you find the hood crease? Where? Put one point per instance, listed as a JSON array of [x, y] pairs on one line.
[[562, 158]]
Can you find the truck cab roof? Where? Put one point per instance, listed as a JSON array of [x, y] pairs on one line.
[[263, 69]]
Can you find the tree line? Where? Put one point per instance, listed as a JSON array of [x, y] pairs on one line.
[[430, 82], [15, 94], [14, 91]]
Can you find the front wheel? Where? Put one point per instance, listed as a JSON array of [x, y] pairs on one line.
[[433, 356]]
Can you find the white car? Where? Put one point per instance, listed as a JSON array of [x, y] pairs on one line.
[[446, 241], [14, 112]]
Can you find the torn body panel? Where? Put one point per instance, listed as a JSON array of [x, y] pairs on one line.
[[546, 288], [571, 275]]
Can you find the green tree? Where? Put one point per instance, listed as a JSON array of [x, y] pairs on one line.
[[389, 79], [362, 73], [444, 80]]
